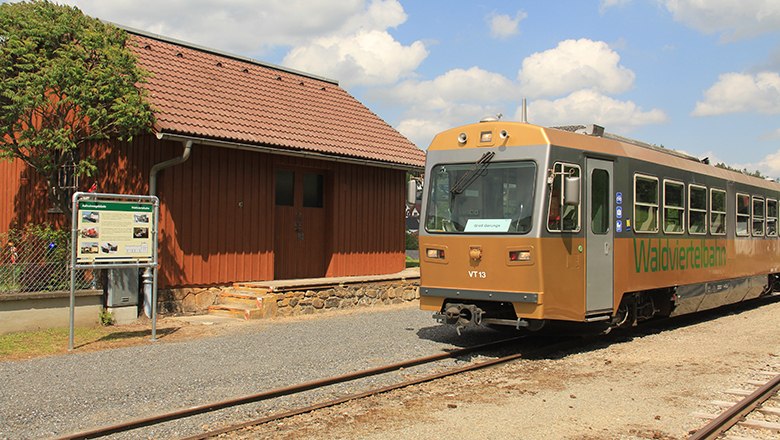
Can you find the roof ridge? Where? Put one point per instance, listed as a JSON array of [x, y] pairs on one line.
[[219, 52]]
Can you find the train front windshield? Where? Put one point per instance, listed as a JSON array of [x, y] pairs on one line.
[[481, 198]]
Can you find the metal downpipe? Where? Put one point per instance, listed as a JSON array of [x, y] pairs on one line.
[[147, 277], [156, 168]]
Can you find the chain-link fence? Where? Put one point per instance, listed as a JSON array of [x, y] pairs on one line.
[[37, 259]]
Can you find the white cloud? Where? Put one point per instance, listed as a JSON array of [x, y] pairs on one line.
[[733, 19], [421, 124], [772, 135], [590, 106], [771, 164], [606, 4], [504, 26], [574, 65], [449, 100], [585, 69], [365, 58], [345, 40], [380, 15], [455, 86], [741, 92], [241, 26], [768, 166], [422, 131]]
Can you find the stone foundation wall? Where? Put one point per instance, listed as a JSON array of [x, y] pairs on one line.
[[190, 300], [344, 297], [196, 300]]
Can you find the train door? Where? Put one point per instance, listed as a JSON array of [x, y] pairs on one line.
[[599, 237]]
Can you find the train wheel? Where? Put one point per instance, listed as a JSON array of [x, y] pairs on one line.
[[626, 313]]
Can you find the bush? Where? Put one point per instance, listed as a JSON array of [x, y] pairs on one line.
[[106, 318]]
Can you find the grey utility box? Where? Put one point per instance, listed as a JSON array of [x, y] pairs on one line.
[[122, 287]]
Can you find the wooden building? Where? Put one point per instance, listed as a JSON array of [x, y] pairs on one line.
[[273, 173]]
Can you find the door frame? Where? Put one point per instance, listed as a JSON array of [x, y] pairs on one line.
[[600, 249], [300, 225]]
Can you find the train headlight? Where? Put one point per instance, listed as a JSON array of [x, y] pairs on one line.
[[435, 253], [519, 255]]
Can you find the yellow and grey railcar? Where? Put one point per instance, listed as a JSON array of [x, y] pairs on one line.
[[523, 225]]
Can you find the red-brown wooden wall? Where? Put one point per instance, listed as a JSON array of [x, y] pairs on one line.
[[217, 209]]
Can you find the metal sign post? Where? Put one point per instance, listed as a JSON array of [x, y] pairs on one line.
[[113, 231]]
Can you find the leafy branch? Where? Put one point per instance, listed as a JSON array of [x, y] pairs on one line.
[[65, 79]]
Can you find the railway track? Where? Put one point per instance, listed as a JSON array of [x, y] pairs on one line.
[[312, 385], [569, 343], [750, 412], [541, 349]]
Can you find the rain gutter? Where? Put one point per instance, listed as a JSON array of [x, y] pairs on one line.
[[295, 153]]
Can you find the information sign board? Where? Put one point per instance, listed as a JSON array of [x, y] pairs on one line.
[[114, 232]]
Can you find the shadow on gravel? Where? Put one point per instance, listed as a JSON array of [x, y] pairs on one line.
[[447, 335], [586, 337], [132, 335]]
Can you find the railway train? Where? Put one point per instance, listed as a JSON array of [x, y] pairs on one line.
[[523, 225]]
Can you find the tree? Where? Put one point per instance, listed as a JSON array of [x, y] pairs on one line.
[[65, 79], [744, 171]]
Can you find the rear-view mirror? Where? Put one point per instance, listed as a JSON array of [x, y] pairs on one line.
[[411, 192], [571, 191]]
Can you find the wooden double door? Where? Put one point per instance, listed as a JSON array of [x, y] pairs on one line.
[[300, 239]]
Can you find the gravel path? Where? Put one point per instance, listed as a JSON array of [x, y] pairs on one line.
[[59, 395]]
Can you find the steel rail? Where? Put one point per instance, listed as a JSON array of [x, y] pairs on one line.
[[473, 367], [736, 413], [278, 392]]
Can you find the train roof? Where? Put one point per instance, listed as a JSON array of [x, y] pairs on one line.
[[587, 138], [595, 130]]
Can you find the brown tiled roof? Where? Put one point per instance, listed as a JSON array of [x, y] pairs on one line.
[[201, 93]]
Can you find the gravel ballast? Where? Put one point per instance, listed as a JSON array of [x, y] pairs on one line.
[[646, 385]]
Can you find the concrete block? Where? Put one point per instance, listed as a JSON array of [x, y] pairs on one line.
[[123, 315]]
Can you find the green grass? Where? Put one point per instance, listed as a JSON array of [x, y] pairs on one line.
[[31, 344], [45, 342], [410, 262]]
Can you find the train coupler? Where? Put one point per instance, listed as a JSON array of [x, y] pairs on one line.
[[460, 315]]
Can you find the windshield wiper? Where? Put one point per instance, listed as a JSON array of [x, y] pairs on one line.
[[471, 175]]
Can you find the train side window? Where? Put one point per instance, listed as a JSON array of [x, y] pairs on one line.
[[758, 216], [771, 217], [645, 203], [600, 208], [674, 207], [560, 217], [717, 212], [697, 209], [743, 214]]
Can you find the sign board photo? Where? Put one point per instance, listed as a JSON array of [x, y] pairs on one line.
[[114, 232]]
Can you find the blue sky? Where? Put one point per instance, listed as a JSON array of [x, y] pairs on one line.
[[694, 75]]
